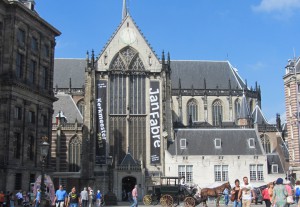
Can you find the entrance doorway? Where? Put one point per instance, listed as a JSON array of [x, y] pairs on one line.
[[127, 186]]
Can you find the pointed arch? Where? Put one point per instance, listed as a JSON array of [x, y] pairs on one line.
[[75, 148], [80, 106], [192, 109], [237, 108], [217, 112], [265, 141]]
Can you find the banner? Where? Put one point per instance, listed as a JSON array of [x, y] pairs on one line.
[[101, 122], [154, 94]]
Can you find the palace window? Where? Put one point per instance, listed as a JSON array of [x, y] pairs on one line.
[[256, 172], [217, 111], [18, 113], [74, 154], [266, 143], [187, 172], [34, 44], [31, 117], [18, 181], [44, 121], [32, 72], [45, 51], [31, 149], [192, 110], [221, 172], [17, 145], [19, 65], [44, 78], [21, 37]]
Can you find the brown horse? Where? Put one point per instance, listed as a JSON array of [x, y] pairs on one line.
[[214, 192]]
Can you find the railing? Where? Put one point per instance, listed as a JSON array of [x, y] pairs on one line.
[[267, 128], [129, 167], [68, 126]]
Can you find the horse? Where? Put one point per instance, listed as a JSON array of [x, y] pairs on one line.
[[213, 192]]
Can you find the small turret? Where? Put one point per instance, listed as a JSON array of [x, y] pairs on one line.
[[244, 118]]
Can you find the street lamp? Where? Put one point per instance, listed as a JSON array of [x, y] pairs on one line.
[[44, 152]]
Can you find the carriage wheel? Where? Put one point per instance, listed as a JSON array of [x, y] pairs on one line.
[[147, 200], [166, 200], [189, 202]]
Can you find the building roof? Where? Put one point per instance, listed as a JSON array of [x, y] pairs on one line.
[[258, 116], [66, 104], [215, 73], [128, 160], [64, 69], [202, 142]]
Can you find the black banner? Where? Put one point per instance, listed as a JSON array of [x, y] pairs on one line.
[[101, 122], [154, 94]]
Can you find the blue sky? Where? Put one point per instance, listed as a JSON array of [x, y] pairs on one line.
[[257, 36]]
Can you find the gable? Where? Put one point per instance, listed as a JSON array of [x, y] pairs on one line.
[[126, 35]]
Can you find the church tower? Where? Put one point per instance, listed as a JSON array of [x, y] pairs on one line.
[[127, 119]]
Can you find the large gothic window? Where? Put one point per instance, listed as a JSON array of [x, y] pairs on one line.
[[80, 106], [217, 112], [237, 108], [74, 154], [192, 110], [266, 143], [128, 97]]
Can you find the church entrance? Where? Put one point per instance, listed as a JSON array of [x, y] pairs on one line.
[[127, 186]]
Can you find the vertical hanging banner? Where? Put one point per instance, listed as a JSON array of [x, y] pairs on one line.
[[154, 94], [101, 122]]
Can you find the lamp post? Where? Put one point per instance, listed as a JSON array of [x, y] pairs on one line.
[[44, 152], [110, 197]]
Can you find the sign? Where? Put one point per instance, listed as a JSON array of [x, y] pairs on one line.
[[101, 135], [154, 96]]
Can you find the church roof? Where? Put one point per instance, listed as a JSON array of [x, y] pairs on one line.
[[258, 116], [202, 142], [215, 73], [128, 160], [66, 104], [64, 69]]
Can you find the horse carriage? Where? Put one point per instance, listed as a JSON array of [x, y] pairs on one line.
[[170, 193]]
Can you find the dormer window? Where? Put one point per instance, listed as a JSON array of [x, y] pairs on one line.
[[218, 143], [182, 143], [274, 168], [251, 143]]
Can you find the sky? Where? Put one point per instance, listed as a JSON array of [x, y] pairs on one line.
[[257, 37]]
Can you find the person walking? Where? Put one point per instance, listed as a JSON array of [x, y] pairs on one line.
[[245, 193], [235, 193], [19, 196], [297, 192], [73, 198], [289, 199], [279, 194], [84, 197], [60, 199], [266, 195], [98, 198], [12, 200], [37, 199], [91, 197], [226, 196], [2, 198], [134, 197]]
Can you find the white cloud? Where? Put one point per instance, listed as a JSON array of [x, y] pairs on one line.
[[277, 5]]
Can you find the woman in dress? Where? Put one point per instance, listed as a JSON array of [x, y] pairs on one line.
[[235, 193], [266, 194], [279, 194]]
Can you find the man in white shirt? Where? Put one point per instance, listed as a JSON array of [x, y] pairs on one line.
[[245, 190]]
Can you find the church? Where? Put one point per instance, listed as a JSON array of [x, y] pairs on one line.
[[129, 116]]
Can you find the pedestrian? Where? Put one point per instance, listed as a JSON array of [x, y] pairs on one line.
[[12, 200], [279, 194], [2, 198], [73, 198], [84, 197], [60, 199], [37, 199], [91, 197], [98, 198], [245, 193], [266, 195], [289, 199], [226, 196], [235, 193], [297, 192], [19, 196], [134, 194]]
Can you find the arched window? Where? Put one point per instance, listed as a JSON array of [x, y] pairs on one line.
[[80, 106], [266, 143], [217, 112], [237, 108], [251, 105], [192, 110], [74, 154]]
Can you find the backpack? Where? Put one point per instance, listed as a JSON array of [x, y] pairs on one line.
[[297, 192]]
